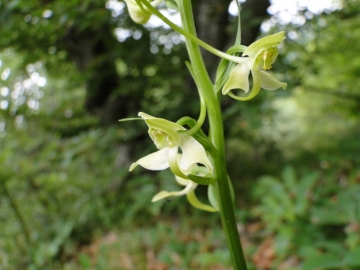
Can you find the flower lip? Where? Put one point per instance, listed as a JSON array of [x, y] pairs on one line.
[[160, 138], [266, 59]]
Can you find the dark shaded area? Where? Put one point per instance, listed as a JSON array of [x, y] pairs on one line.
[[253, 13]]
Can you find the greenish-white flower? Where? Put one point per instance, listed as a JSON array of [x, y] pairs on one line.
[[167, 138], [188, 190], [137, 14], [261, 55]]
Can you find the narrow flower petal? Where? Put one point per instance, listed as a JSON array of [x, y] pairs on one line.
[[262, 44], [269, 82], [155, 161], [192, 153], [238, 79], [181, 181], [165, 194]]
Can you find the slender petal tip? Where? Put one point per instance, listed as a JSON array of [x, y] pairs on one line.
[[132, 167]]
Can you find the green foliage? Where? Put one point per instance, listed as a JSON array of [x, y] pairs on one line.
[[284, 206], [53, 189], [309, 218]]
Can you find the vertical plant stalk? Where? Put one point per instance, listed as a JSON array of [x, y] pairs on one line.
[[18, 213], [217, 137]]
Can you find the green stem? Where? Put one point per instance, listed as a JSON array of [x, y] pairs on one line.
[[191, 36], [217, 138]]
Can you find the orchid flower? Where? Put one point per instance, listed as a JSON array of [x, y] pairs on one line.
[[168, 140], [261, 54], [138, 14], [189, 190]]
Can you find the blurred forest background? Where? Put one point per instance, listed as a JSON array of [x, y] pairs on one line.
[[69, 70]]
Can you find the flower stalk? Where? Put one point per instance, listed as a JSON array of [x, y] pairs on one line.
[[217, 138]]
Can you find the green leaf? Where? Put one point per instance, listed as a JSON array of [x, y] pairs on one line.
[[322, 262], [352, 258], [289, 177]]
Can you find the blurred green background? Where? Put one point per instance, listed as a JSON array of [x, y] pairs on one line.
[[69, 70]]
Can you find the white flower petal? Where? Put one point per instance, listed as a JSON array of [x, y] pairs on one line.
[[165, 194], [155, 161], [238, 79], [193, 152], [269, 82], [182, 181]]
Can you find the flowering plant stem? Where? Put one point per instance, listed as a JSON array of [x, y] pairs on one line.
[[221, 183]]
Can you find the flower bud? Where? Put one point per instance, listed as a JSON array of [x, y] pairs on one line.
[[137, 14]]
